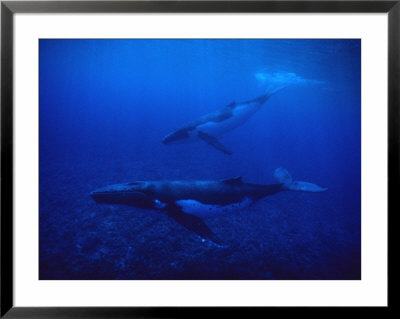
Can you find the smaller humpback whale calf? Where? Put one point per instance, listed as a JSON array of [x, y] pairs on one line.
[[213, 125], [210, 127], [188, 201]]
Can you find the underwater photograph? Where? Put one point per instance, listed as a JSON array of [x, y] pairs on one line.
[[199, 159]]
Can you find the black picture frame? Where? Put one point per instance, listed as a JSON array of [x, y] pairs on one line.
[[9, 8]]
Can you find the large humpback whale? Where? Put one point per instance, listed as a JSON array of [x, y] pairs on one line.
[[213, 125], [187, 201]]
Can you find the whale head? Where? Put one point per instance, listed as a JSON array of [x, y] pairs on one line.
[[133, 194], [176, 136]]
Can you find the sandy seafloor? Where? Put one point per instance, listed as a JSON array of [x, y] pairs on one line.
[[97, 130]]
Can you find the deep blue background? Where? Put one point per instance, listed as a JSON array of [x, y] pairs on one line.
[[105, 106]]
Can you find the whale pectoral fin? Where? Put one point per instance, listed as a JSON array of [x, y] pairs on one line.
[[192, 223], [213, 141]]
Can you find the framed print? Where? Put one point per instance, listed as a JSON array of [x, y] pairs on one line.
[[169, 158]]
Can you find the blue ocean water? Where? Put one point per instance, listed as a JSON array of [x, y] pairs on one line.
[[106, 105]]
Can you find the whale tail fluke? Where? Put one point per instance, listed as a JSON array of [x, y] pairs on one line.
[[276, 81], [282, 176], [273, 88]]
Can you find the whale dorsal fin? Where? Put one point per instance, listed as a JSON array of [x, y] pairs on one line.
[[235, 180], [232, 105]]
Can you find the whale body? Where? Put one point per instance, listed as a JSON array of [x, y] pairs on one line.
[[210, 127], [188, 201]]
